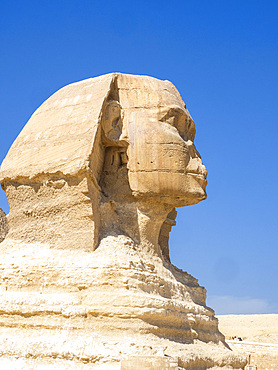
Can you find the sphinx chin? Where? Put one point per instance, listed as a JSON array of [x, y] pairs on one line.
[[175, 188], [190, 196]]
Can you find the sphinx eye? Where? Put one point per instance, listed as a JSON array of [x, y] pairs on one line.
[[171, 117], [172, 120]]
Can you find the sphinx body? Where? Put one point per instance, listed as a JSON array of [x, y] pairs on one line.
[[93, 180]]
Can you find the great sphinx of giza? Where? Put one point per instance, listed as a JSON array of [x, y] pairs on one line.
[[92, 181]]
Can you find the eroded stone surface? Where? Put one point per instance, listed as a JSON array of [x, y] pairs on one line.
[[4, 227], [93, 180]]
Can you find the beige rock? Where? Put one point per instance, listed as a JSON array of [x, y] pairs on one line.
[[92, 181], [4, 228]]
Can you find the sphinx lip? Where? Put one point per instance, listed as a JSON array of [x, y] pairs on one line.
[[198, 177], [197, 174]]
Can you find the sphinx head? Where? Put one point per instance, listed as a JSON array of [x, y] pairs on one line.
[[150, 160], [104, 155]]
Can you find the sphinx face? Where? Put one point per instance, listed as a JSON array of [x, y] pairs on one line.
[[163, 162]]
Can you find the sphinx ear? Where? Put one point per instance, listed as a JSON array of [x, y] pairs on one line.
[[112, 121]]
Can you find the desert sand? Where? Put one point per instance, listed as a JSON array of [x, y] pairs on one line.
[[253, 328], [259, 335]]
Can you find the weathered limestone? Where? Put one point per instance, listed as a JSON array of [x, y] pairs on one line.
[[4, 228], [93, 180]]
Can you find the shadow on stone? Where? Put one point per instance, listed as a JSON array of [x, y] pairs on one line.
[[4, 226]]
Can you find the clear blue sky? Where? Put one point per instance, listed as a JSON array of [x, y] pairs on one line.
[[223, 58]]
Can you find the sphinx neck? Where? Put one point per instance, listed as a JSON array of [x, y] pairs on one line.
[[150, 218]]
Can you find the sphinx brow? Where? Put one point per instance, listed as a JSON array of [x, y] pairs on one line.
[[170, 111], [173, 107]]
